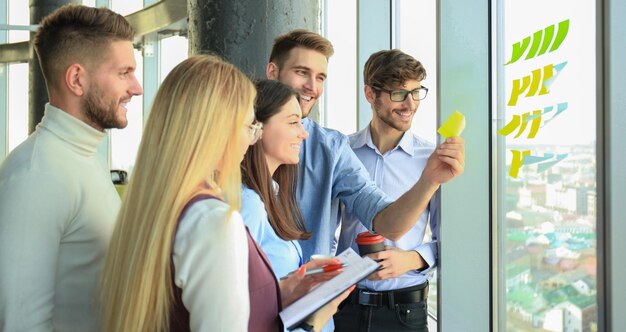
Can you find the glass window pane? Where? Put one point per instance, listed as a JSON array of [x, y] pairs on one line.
[[547, 160], [421, 43], [125, 7], [18, 104], [174, 50], [125, 142], [18, 14], [89, 3], [339, 109]]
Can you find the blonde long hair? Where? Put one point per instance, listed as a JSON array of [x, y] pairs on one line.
[[194, 129]]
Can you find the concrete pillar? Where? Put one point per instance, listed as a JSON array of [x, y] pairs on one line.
[[243, 31], [37, 92]]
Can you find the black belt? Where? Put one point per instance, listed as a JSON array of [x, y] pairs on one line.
[[366, 297]]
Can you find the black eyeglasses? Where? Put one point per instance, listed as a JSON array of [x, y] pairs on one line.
[[400, 95]]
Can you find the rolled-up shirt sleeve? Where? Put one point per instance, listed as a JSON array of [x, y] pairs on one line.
[[352, 185]]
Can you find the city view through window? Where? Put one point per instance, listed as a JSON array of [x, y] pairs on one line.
[[546, 135]]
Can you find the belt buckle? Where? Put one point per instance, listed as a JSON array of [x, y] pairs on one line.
[[370, 299]]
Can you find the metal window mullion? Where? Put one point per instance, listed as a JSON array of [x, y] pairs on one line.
[[613, 180], [464, 83], [498, 211], [103, 3], [4, 76], [104, 149], [151, 71], [373, 34]]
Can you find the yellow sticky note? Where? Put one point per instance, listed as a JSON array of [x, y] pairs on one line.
[[453, 126]]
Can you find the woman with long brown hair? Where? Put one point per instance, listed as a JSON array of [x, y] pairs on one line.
[[269, 170]]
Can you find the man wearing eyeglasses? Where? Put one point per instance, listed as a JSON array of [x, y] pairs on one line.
[[394, 297]]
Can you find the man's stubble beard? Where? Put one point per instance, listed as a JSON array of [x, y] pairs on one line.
[[387, 118], [97, 110]]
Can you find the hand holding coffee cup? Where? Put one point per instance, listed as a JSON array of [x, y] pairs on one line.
[[370, 243]]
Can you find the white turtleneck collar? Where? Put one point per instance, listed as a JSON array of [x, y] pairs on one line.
[[80, 136]]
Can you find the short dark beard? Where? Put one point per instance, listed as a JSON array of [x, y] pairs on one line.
[[104, 116], [381, 116]]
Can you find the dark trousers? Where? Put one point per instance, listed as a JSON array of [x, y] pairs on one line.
[[354, 317]]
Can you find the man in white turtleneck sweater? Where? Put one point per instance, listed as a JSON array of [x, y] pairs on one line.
[[57, 203]]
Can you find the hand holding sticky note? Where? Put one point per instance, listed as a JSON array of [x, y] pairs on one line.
[[453, 126]]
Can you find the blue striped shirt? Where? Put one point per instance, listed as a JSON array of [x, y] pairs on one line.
[[395, 172]]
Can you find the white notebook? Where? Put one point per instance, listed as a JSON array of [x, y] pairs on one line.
[[357, 269]]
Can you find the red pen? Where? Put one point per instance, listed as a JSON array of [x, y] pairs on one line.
[[323, 269]]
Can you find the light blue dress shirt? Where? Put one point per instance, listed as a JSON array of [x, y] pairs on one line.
[[330, 173], [285, 256], [395, 172]]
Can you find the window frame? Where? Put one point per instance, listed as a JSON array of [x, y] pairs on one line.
[[4, 100], [611, 161], [464, 83]]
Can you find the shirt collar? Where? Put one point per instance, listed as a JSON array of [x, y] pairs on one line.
[[306, 122], [406, 143], [364, 137]]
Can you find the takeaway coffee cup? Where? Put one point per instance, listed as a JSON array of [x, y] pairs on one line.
[[370, 243]]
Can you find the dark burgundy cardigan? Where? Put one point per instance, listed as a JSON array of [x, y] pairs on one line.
[[263, 286]]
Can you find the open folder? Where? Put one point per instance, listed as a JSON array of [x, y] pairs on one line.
[[357, 269]]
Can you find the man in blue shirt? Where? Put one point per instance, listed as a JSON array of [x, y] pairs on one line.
[[330, 172], [394, 158]]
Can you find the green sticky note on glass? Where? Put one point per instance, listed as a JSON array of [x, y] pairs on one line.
[[453, 126]]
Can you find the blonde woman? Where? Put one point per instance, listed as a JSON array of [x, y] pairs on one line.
[[180, 257]]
